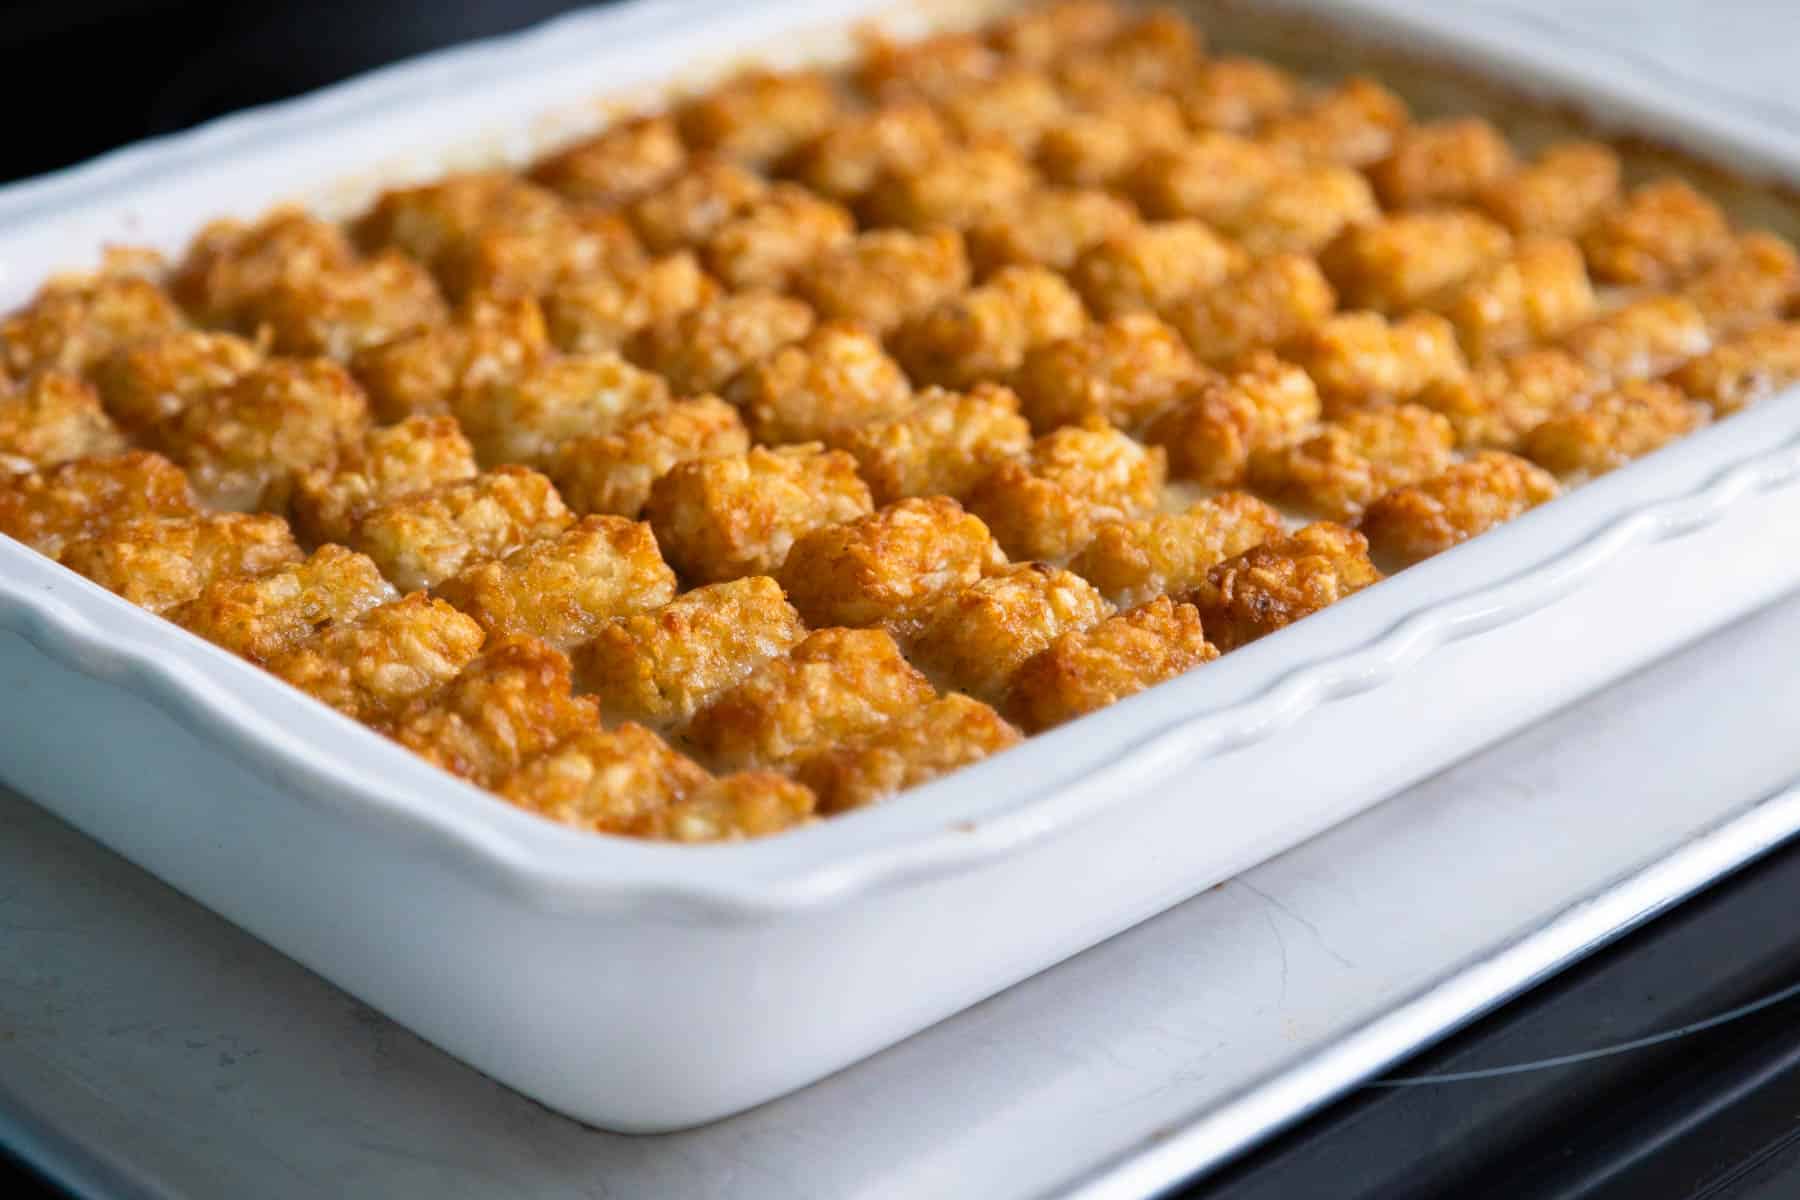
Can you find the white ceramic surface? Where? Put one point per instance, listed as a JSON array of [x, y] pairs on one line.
[[649, 987]]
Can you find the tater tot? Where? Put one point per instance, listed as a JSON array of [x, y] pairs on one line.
[[1360, 359], [833, 685], [149, 381], [1559, 193], [1014, 107], [732, 808], [385, 464], [1133, 562], [721, 518], [1048, 504], [159, 562], [72, 323], [48, 509], [423, 539], [1085, 670], [1267, 306], [1335, 472], [837, 375], [1659, 235], [1151, 266], [931, 68], [613, 473], [1441, 162], [1270, 586], [977, 639], [1209, 177], [1237, 94], [1100, 145], [53, 417], [1412, 523], [988, 331], [1210, 430], [375, 663], [1538, 292], [1121, 371], [1610, 429], [421, 372], [1355, 123], [1643, 338], [259, 616], [662, 666], [1040, 34], [912, 749], [782, 232], [1744, 369], [337, 312], [1496, 403], [230, 265], [699, 350], [844, 161], [1754, 282], [1301, 211], [562, 589], [604, 780], [1395, 264], [616, 165], [1050, 227], [889, 568], [685, 210], [944, 445], [431, 222], [883, 277], [603, 312], [505, 707], [760, 115], [525, 417], [957, 188]]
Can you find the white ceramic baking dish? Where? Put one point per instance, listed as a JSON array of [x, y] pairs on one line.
[[647, 987]]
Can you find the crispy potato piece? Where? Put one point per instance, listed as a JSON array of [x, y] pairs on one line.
[[957, 189], [1014, 107], [1133, 562], [525, 417], [1270, 586], [883, 277], [930, 68], [604, 780], [339, 311], [1360, 360], [1442, 162], [386, 464], [914, 748], [616, 165], [259, 616], [844, 161], [1647, 337], [159, 562], [516, 263], [979, 637], [776, 236], [684, 211], [1048, 227], [1754, 282], [1494, 406], [1355, 123], [1612, 428], [1540, 291], [1237, 94], [890, 568], [1151, 266], [1398, 263], [1410, 524], [1042, 33], [1153, 51], [423, 539], [760, 115], [1352, 460], [379, 661], [146, 382], [1210, 431], [46, 510], [1301, 211], [837, 375], [284, 416], [987, 332], [945, 445], [53, 417], [833, 685], [699, 350], [1557, 195], [603, 312], [747, 804], [420, 372], [1210, 177], [722, 518], [663, 666], [1103, 144], [1268, 305], [1120, 371], [1661, 234], [613, 473], [74, 322], [1085, 670], [503, 709], [1745, 369], [562, 589], [231, 265], [1048, 504]]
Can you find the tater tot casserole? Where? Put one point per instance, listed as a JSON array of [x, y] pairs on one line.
[[759, 457]]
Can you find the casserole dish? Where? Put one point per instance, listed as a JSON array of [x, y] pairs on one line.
[[645, 987]]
